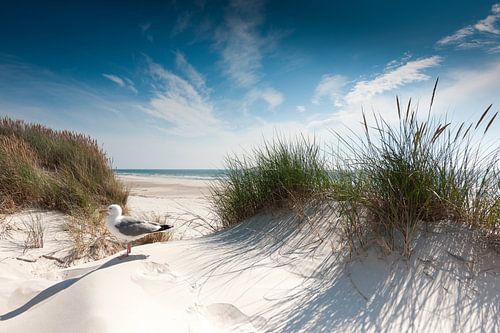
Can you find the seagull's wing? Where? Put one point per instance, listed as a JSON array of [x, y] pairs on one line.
[[130, 226]]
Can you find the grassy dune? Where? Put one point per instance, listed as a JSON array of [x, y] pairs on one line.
[[50, 169], [385, 183], [64, 171], [275, 175]]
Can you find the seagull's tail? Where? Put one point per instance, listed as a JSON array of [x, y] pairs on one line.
[[165, 227]]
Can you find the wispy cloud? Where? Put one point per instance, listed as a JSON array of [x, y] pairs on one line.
[[458, 37], [115, 79], [35, 91], [175, 100], [240, 42], [483, 34], [373, 93], [271, 96], [410, 72], [193, 75], [145, 29], [122, 82], [181, 24], [330, 87], [300, 108]]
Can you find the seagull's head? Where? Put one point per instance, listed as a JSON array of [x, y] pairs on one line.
[[114, 210]]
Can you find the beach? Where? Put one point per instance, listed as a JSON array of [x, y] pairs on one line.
[[184, 201], [269, 274], [178, 201], [247, 166], [181, 202]]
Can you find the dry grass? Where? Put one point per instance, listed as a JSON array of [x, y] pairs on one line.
[[5, 227], [50, 169], [88, 238], [58, 170], [35, 232]]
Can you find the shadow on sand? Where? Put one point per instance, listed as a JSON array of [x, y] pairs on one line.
[[60, 286], [450, 283]]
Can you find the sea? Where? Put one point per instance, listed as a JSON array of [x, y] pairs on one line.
[[202, 174]]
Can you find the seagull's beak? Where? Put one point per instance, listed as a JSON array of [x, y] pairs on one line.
[[103, 210]]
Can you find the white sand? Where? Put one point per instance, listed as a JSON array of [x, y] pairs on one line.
[[270, 274]]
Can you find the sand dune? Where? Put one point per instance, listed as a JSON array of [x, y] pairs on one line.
[[269, 274]]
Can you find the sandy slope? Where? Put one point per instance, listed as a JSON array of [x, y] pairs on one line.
[[273, 273], [270, 274]]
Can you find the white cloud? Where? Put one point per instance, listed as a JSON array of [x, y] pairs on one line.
[[392, 79], [240, 43], [469, 90], [271, 96], [193, 75], [488, 24], [122, 82], [377, 93], [494, 49], [115, 79], [458, 36], [330, 86], [178, 102], [300, 108], [483, 34], [22, 84]]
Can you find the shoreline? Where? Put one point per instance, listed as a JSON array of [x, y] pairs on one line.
[[189, 174]]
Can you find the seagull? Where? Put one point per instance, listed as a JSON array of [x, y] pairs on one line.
[[128, 229]]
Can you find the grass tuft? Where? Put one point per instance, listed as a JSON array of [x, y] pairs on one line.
[[88, 238], [274, 175], [35, 232], [394, 177]]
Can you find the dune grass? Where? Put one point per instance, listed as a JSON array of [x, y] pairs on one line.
[[386, 182], [397, 176], [35, 232], [58, 170], [50, 169], [274, 175]]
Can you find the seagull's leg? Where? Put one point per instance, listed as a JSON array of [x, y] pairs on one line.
[[129, 249]]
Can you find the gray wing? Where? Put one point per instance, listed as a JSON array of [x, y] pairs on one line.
[[134, 227]]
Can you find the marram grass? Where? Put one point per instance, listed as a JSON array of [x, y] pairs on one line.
[[386, 183], [50, 169], [397, 176], [274, 175]]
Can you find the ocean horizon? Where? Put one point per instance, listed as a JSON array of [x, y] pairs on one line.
[[203, 174]]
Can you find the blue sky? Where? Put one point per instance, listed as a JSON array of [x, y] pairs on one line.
[[182, 84]]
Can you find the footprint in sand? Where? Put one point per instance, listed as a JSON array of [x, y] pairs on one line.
[[154, 277], [153, 269], [224, 317]]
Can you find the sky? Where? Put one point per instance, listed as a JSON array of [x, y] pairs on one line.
[[183, 84]]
